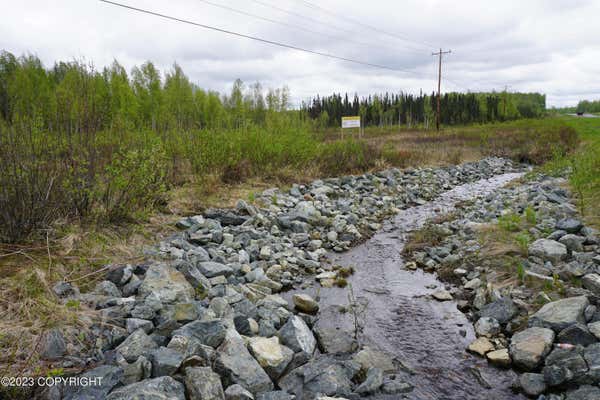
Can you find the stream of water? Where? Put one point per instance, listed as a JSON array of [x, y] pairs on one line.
[[425, 335]]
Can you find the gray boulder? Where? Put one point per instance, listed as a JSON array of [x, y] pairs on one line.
[[136, 344], [165, 361], [594, 328], [368, 358], [573, 242], [136, 371], [577, 334], [592, 358], [133, 324], [563, 366], [335, 341], [372, 383], [585, 392], [323, 375], [194, 276], [305, 303], [487, 326], [569, 225], [560, 314], [502, 310], [532, 384], [167, 284], [529, 347], [107, 288], [276, 395], [106, 376], [592, 283], [236, 365], [65, 290], [53, 345], [210, 333], [547, 249], [237, 392], [163, 388], [210, 269], [201, 383], [306, 212], [271, 355], [120, 275], [296, 335]]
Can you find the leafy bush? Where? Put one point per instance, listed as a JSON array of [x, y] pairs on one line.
[[346, 156], [135, 180]]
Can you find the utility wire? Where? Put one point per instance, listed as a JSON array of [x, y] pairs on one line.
[[315, 20], [256, 38], [296, 27], [370, 27]]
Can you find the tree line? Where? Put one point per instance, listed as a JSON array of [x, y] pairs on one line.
[[588, 106], [402, 108], [75, 96], [77, 141]]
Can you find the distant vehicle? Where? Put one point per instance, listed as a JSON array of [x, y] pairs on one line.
[[580, 113]]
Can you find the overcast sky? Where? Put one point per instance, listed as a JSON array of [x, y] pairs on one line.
[[550, 46]]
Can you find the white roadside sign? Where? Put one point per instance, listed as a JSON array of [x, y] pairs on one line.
[[351, 122]]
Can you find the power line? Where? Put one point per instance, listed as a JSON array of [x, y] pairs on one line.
[[370, 27], [292, 26], [256, 38], [314, 20]]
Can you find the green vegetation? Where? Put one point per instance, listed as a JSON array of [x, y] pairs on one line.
[[582, 167], [108, 146], [398, 109], [510, 222]]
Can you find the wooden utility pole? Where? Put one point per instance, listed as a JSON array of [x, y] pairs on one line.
[[505, 98], [439, 54]]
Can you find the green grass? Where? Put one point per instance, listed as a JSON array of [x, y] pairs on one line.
[[582, 167]]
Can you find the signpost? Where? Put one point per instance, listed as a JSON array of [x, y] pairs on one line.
[[351, 122]]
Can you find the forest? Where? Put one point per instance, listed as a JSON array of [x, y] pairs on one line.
[[398, 109], [588, 106]]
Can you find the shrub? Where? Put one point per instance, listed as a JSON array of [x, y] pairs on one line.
[[135, 180], [346, 156]]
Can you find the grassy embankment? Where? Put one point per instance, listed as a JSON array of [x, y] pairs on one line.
[[505, 243], [132, 199]]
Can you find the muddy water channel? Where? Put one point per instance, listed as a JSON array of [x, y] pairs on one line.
[[428, 338]]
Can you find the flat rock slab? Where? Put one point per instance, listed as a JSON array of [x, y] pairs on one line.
[[481, 346], [560, 314], [210, 333], [369, 358], [499, 357], [529, 347], [210, 269], [168, 284], [549, 250], [335, 341]]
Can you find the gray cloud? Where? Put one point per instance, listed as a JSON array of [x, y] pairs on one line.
[[534, 45]]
